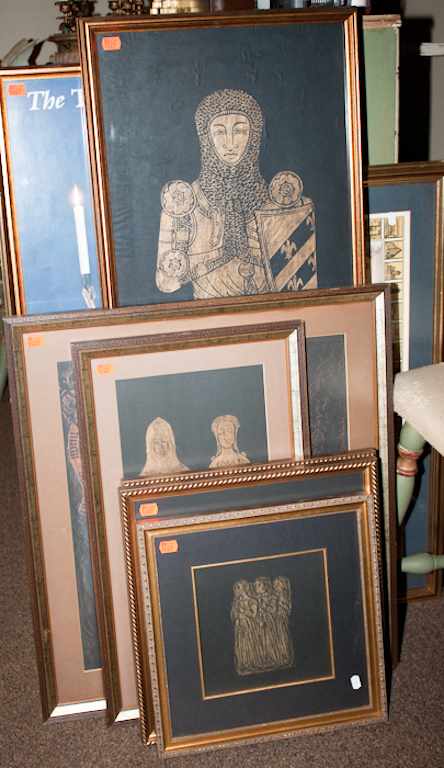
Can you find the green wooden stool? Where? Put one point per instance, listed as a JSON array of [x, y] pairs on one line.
[[419, 400]]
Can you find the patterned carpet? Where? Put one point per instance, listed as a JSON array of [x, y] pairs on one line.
[[413, 737]]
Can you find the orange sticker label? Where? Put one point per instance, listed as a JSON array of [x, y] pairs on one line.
[[168, 547], [35, 341], [148, 510], [103, 369], [16, 89], [113, 43]]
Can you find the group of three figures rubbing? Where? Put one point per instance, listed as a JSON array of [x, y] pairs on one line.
[[229, 233], [161, 451], [260, 614]]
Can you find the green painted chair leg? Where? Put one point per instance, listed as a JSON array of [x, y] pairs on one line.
[[410, 447], [422, 563]]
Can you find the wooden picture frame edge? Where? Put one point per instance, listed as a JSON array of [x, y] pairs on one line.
[[430, 173]]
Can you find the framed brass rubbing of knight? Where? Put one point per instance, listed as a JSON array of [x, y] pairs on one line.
[[405, 206], [222, 183], [349, 393], [256, 621]]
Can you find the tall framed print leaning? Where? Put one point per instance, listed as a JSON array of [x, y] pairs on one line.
[[237, 163], [405, 205], [271, 642], [48, 236]]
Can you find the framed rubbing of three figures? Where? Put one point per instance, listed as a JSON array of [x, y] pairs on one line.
[[269, 590]]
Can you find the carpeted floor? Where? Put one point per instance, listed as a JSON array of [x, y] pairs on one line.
[[413, 738]]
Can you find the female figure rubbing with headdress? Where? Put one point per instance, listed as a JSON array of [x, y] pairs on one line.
[[225, 429], [161, 455], [243, 617]]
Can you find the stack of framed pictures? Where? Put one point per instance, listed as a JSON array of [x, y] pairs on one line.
[[348, 351], [239, 385]]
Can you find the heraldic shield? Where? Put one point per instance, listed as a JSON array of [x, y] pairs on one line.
[[287, 235]]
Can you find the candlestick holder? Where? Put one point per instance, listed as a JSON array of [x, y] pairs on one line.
[[88, 292], [66, 39]]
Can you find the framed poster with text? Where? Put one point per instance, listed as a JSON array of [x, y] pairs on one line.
[[48, 239]]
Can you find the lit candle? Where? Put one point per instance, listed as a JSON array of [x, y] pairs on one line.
[[80, 225]]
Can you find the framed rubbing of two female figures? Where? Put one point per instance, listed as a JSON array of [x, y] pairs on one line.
[[161, 451], [238, 171]]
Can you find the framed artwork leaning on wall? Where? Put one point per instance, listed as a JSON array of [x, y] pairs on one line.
[[50, 258], [271, 643], [405, 224], [236, 164], [348, 394]]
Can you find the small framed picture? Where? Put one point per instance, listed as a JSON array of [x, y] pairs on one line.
[[271, 643]]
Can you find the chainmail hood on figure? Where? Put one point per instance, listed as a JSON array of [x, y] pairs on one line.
[[240, 190]]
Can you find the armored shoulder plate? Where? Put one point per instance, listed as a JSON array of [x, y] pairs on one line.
[[177, 198], [286, 189]]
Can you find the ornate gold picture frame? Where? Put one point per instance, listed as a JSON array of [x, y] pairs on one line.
[[272, 667]]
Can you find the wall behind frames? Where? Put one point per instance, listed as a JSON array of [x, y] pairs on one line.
[[432, 9], [35, 19]]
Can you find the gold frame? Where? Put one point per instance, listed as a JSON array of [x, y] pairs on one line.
[[50, 336], [147, 633], [88, 28], [429, 173], [331, 676], [9, 235]]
